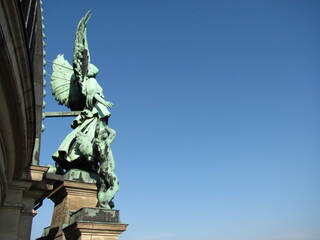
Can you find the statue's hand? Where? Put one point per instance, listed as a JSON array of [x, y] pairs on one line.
[[109, 104]]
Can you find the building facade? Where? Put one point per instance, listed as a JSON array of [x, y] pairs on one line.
[[22, 180]]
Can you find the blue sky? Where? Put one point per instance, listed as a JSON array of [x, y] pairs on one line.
[[217, 113]]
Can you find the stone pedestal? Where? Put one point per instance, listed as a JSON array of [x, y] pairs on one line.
[[94, 224], [75, 215]]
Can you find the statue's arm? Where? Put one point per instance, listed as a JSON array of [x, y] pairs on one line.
[[102, 101]]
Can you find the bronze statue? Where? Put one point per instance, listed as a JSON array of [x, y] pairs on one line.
[[87, 147]]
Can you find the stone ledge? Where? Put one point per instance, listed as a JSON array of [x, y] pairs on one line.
[[94, 231]]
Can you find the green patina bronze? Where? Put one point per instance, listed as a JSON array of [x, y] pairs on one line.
[[87, 147]]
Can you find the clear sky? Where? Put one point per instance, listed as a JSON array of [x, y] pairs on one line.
[[217, 113]]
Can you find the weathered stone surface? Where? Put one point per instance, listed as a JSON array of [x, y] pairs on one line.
[[69, 196], [95, 215]]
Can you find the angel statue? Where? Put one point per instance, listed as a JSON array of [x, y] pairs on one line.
[[87, 147]]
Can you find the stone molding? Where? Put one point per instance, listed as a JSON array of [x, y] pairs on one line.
[[94, 231], [23, 194]]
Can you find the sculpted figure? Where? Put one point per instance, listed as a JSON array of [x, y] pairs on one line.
[[87, 147]]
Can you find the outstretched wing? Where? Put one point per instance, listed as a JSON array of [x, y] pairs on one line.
[[64, 86], [81, 56]]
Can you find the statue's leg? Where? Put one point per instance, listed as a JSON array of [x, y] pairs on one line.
[[110, 183], [109, 186], [102, 198], [114, 186]]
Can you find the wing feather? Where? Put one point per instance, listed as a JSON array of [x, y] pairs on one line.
[[81, 56], [64, 85]]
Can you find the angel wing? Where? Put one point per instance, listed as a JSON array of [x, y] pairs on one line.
[[64, 85], [81, 56]]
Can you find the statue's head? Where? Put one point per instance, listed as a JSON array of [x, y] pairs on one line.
[[92, 70]]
